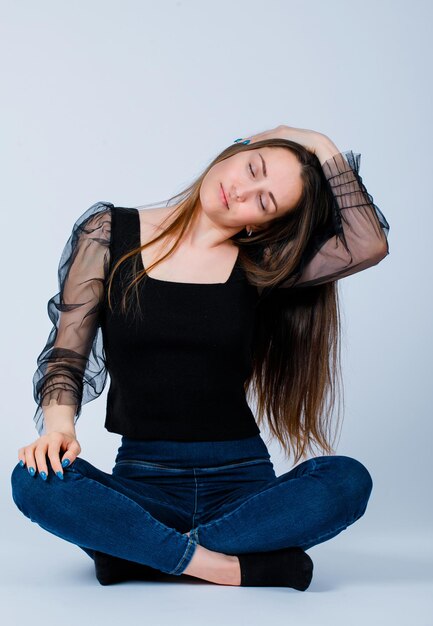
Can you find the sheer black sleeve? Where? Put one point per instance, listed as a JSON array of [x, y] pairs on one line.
[[361, 230], [71, 367]]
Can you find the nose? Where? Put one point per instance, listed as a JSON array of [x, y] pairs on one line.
[[235, 195]]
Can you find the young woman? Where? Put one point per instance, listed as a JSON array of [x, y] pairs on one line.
[[190, 307]]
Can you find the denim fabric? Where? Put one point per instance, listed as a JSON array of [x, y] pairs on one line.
[[225, 492]]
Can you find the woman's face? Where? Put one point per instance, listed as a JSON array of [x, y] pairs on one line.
[[258, 185]]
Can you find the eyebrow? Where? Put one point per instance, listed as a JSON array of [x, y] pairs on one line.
[[265, 175]]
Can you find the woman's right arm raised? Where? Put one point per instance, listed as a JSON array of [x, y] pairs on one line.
[[71, 367]]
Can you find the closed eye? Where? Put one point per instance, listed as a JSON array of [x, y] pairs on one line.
[[251, 170]]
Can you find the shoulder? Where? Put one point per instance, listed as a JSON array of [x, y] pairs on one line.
[[154, 218], [95, 214], [94, 223]]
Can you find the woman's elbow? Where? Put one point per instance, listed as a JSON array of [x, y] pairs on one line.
[[378, 253]]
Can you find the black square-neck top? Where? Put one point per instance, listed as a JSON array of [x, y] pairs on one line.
[[178, 371]]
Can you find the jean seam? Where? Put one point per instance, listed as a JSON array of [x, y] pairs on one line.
[[191, 542], [70, 468], [256, 495], [119, 494], [253, 496], [233, 465], [152, 466], [130, 500], [272, 486], [195, 498], [74, 471], [188, 469]]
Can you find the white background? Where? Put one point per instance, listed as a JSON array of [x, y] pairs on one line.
[[127, 101]]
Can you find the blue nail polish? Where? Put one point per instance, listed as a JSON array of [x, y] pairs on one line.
[[60, 474], [22, 463], [32, 471], [65, 462], [43, 475], [237, 140], [246, 141]]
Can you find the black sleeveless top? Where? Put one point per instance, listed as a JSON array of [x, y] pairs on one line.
[[178, 371]]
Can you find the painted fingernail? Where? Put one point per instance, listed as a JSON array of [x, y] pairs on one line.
[[65, 462], [246, 141], [238, 140], [43, 475], [60, 474], [22, 463], [32, 471]]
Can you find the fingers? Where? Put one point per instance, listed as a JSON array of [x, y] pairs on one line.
[[54, 456], [21, 457], [34, 456], [41, 460], [29, 459], [71, 454]]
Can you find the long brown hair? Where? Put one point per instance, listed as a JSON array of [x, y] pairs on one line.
[[296, 372]]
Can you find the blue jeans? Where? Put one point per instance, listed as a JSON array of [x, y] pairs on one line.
[[225, 492]]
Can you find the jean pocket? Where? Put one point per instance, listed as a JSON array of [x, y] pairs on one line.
[[148, 464], [154, 472], [238, 464]]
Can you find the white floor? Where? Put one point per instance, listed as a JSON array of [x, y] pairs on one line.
[[359, 578]]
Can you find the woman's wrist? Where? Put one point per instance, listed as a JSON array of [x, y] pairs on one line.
[[325, 149], [59, 418], [315, 142]]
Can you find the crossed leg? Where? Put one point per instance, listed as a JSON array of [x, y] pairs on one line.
[[97, 511], [308, 505]]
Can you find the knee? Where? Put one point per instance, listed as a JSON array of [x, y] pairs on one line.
[[355, 484], [21, 484], [31, 494], [39, 499], [350, 481]]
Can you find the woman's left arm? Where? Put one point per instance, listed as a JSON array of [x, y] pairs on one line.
[[361, 230], [361, 238]]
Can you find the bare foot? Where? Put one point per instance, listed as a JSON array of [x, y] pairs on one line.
[[223, 569]]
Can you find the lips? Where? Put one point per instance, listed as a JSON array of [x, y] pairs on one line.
[[223, 196]]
